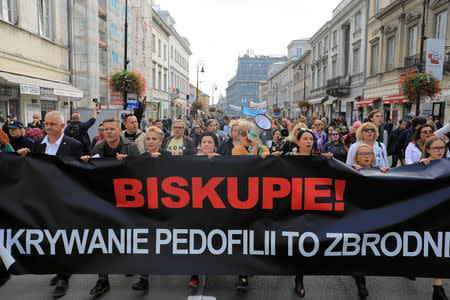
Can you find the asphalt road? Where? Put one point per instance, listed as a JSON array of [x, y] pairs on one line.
[[222, 288]]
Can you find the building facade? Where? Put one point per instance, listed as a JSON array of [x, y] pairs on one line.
[[244, 86], [35, 67], [301, 70], [394, 47]]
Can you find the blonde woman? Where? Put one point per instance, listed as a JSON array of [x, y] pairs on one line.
[[248, 147], [368, 134], [364, 157], [232, 141]]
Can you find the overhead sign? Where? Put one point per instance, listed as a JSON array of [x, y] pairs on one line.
[[258, 104], [435, 57], [30, 89]]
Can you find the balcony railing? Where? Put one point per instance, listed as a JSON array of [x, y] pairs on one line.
[[338, 86], [413, 61]]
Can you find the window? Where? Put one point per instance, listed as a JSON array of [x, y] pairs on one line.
[[159, 47], [154, 78], [44, 18], [159, 80], [334, 68], [358, 21], [325, 75], [319, 77], [171, 52], [319, 48], [8, 9], [390, 54], [165, 52], [377, 6], [153, 43], [325, 44], [374, 60], [356, 59], [335, 38], [412, 47], [441, 23], [165, 82], [313, 79], [314, 53]]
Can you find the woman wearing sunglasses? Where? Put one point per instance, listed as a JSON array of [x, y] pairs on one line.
[[416, 148], [368, 134], [335, 147], [232, 141], [435, 149], [248, 147]]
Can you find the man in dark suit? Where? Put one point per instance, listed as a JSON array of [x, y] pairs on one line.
[[56, 143]]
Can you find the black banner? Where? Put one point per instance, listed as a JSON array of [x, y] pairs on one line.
[[229, 215]]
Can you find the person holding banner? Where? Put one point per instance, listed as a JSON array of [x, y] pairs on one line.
[[335, 146], [435, 149], [416, 148], [247, 146], [153, 141], [365, 158], [291, 141], [368, 134], [115, 146], [5, 146]]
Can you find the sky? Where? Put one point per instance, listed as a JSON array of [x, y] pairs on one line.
[[219, 31]]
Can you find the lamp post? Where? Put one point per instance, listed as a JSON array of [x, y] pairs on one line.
[[202, 71], [304, 79], [421, 58], [125, 52]]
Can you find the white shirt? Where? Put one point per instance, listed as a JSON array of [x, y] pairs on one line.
[[226, 129], [412, 154], [380, 154], [52, 149]]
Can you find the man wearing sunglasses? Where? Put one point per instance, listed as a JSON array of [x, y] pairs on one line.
[[179, 144]]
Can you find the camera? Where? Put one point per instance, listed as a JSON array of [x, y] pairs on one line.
[[98, 104]]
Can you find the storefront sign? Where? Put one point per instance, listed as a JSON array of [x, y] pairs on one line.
[[47, 94], [30, 89]]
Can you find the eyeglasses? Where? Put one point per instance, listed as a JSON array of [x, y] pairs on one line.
[[369, 130], [438, 149], [365, 154], [427, 131], [178, 127]]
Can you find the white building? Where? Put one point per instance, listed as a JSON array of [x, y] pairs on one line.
[[34, 59], [179, 54]]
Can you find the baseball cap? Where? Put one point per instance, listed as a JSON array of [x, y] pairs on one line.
[[15, 124], [11, 115]]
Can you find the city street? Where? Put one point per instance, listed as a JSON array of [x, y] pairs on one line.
[[222, 287]]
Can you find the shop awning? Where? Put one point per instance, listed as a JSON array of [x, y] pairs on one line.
[[316, 100], [366, 102], [395, 99], [33, 84], [181, 103]]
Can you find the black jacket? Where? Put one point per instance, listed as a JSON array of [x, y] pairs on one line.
[[393, 140], [188, 145], [69, 147], [226, 147], [21, 142]]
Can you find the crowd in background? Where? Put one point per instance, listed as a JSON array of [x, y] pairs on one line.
[[366, 143]]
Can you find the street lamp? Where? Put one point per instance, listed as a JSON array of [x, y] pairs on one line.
[[202, 71], [304, 79], [126, 61], [421, 58]]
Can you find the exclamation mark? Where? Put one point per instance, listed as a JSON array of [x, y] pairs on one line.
[[339, 188]]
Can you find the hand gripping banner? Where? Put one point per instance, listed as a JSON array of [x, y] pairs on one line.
[[228, 215]]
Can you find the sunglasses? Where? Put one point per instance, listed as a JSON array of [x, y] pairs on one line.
[[244, 133], [427, 131], [369, 130], [306, 129], [178, 127], [335, 133]]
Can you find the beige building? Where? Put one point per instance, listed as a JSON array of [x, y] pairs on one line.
[[302, 81], [34, 62], [393, 47]]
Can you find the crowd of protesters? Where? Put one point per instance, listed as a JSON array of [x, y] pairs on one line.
[[364, 144]]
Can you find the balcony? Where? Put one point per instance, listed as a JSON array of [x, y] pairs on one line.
[[413, 61], [338, 86]]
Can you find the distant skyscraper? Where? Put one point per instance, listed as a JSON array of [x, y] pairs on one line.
[[243, 87]]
